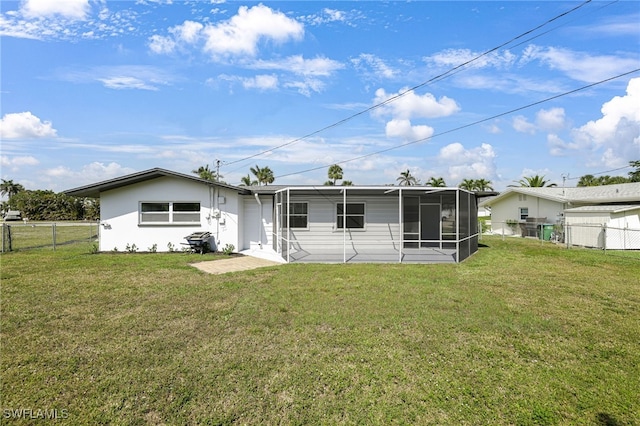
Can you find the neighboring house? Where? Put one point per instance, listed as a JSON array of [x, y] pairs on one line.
[[518, 210], [614, 227], [288, 223]]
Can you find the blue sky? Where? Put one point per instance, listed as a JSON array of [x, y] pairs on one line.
[[94, 89]]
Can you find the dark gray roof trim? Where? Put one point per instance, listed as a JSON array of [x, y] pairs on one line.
[[94, 190]]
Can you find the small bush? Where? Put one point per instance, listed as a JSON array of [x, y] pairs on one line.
[[228, 249]]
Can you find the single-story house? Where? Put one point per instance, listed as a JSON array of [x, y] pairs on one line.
[[158, 208], [614, 227], [524, 211]]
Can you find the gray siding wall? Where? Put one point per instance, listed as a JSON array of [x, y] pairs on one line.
[[381, 225]]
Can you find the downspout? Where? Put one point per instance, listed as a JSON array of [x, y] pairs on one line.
[[344, 225], [400, 228], [259, 220], [217, 215]]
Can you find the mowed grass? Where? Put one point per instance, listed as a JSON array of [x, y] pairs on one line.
[[43, 234], [521, 333]]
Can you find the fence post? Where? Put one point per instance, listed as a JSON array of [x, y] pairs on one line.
[[9, 237], [53, 230]]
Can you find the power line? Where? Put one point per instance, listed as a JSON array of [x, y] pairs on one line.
[[466, 125], [601, 173], [405, 92]]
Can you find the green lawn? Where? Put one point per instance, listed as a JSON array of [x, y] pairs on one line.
[[520, 333]]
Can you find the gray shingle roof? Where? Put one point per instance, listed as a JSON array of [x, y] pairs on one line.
[[94, 190], [624, 192]]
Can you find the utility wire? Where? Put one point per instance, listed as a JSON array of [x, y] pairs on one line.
[[466, 125], [405, 92], [601, 173]]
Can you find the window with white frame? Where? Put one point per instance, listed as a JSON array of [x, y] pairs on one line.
[[523, 212], [299, 215], [354, 215], [168, 212]]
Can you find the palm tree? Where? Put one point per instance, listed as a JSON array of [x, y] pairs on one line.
[[406, 179], [437, 182], [534, 182], [10, 188], [205, 173], [334, 173], [634, 176], [588, 180], [483, 185], [264, 175], [468, 184], [246, 181]]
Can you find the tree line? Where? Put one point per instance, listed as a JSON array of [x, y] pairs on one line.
[[265, 176], [48, 205]]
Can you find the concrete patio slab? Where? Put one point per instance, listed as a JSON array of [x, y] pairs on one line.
[[233, 264]]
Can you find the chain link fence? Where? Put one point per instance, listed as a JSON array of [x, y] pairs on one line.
[[599, 236], [31, 235]]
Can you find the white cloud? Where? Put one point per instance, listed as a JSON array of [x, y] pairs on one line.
[[297, 64], [580, 66], [121, 77], [241, 35], [454, 57], [615, 137], [25, 125], [326, 16], [473, 163], [123, 82], [306, 86], [71, 9], [162, 44], [380, 69], [551, 119], [402, 128], [14, 163], [411, 105], [262, 82], [189, 32], [522, 125], [90, 173], [67, 20]]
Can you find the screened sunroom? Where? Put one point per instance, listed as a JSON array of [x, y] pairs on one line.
[[341, 224]]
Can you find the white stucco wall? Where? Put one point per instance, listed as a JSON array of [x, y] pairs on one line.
[[623, 231], [585, 228], [257, 234], [119, 214], [508, 209]]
